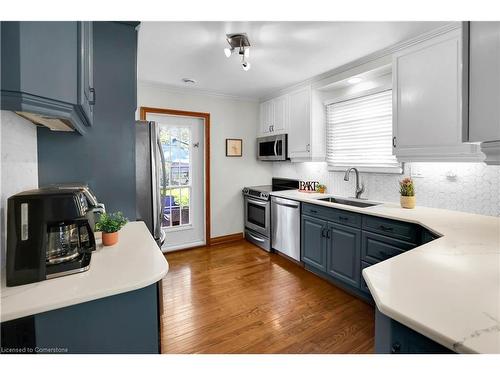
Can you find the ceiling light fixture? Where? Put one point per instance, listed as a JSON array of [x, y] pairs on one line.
[[241, 43], [189, 81], [354, 80]]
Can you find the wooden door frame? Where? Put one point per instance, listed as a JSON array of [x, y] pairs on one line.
[[206, 117]]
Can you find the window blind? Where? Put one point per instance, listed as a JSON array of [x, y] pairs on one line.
[[359, 134]]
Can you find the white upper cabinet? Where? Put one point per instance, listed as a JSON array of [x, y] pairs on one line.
[[299, 132], [300, 115], [281, 114], [274, 115], [306, 131], [484, 87], [266, 117], [428, 102]]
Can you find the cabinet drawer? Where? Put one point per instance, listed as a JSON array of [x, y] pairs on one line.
[[376, 248], [364, 287], [392, 228], [332, 214]]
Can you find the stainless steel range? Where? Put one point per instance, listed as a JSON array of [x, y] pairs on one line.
[[258, 210]]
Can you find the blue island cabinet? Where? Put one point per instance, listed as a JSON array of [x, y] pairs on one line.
[[122, 323], [392, 337]]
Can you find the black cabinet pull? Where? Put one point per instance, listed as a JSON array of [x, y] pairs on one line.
[[328, 233], [394, 142], [387, 229], [396, 348], [323, 232], [313, 211], [343, 218]]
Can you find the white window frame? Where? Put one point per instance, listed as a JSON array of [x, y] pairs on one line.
[[365, 169]]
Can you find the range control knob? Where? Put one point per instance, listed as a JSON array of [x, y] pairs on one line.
[[264, 195], [245, 190]]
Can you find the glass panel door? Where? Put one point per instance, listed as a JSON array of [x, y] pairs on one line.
[[176, 196]]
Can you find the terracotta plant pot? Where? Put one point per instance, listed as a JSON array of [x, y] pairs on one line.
[[109, 239], [408, 202]]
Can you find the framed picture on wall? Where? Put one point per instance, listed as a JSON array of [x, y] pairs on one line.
[[234, 147]]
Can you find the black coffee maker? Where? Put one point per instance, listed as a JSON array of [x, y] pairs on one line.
[[48, 235]]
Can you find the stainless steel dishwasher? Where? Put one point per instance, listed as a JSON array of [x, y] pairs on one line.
[[285, 227]]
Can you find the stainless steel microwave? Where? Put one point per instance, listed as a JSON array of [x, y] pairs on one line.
[[272, 148]]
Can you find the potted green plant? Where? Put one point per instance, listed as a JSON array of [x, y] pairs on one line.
[[110, 224], [407, 191], [320, 188]]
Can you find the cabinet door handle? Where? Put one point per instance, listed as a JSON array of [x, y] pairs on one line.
[[308, 147], [394, 142], [343, 218], [328, 233], [386, 229], [323, 232], [313, 211], [92, 93]]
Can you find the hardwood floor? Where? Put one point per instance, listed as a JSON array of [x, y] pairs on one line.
[[236, 298]]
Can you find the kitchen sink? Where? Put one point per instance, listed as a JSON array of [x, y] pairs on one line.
[[348, 202]]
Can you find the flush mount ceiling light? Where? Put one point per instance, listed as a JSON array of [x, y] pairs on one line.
[[354, 80], [239, 43]]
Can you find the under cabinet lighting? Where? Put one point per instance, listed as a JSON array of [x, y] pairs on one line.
[[354, 80]]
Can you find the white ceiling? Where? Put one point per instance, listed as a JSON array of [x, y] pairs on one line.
[[282, 53]]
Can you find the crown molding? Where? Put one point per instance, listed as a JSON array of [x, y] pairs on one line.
[[366, 59], [194, 91]]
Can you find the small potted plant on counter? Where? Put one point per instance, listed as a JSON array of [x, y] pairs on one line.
[[110, 224], [321, 188], [407, 191]]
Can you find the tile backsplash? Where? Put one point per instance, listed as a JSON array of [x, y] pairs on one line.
[[468, 187], [19, 164]]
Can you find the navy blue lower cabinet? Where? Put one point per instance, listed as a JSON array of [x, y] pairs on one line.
[[377, 248], [392, 337], [343, 253], [314, 242]]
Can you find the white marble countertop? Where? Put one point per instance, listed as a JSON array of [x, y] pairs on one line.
[[133, 263], [447, 289]]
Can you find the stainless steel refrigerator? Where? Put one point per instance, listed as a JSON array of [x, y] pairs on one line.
[[150, 173]]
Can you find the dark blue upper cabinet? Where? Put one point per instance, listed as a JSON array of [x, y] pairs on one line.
[[47, 73], [86, 90]]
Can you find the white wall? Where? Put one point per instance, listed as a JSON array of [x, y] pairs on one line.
[[19, 164], [468, 187], [229, 118]]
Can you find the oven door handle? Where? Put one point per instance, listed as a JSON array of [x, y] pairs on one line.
[[257, 202], [276, 148], [256, 238]]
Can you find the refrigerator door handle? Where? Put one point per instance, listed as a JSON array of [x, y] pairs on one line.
[[162, 187]]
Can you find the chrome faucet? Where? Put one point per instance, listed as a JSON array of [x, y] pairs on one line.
[[359, 190]]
